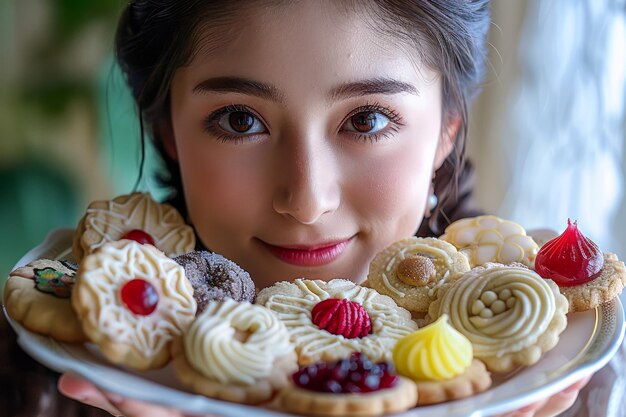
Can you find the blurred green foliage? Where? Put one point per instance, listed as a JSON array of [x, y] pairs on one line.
[[59, 57]]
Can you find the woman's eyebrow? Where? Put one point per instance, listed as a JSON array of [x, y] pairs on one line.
[[241, 86], [385, 86]]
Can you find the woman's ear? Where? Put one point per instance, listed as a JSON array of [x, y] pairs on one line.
[[446, 141], [166, 134]]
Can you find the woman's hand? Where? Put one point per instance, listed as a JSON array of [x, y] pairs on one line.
[[552, 406], [85, 392], [81, 390]]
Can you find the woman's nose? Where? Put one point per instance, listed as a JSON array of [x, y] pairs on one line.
[[308, 181]]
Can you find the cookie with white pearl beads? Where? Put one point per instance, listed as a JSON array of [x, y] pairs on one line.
[[510, 314]]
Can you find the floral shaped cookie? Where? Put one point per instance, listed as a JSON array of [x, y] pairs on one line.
[[234, 351], [133, 301], [491, 239], [508, 312], [38, 297], [330, 320], [136, 217], [410, 270]]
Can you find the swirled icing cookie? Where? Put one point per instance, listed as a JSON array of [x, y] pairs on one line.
[[491, 239], [329, 320], [38, 297], [410, 270], [353, 386], [439, 359], [237, 352], [509, 313], [136, 217], [133, 301], [214, 277]]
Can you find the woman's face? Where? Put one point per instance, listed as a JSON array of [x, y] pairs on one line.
[[306, 142]]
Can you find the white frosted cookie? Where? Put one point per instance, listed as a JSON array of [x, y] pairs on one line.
[[137, 217], [508, 312], [330, 320], [234, 351], [133, 301], [410, 270], [491, 239]]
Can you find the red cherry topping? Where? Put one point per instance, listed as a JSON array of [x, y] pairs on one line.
[[569, 259], [342, 317], [139, 236], [140, 296], [355, 375]]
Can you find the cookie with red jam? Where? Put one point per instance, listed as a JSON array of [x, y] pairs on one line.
[[328, 320], [133, 302], [347, 387], [134, 217]]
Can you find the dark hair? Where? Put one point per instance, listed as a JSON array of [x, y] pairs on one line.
[[155, 37]]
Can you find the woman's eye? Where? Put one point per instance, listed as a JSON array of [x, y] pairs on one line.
[[366, 122], [240, 123]]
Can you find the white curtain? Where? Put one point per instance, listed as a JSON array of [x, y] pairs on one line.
[[565, 147], [551, 123]]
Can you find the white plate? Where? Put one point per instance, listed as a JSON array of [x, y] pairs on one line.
[[588, 343]]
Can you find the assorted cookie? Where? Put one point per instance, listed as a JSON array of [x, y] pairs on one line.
[[214, 277], [38, 297], [330, 320], [135, 217], [133, 301], [509, 313], [353, 386], [586, 276], [491, 239], [487, 298], [439, 359], [234, 351], [411, 270]]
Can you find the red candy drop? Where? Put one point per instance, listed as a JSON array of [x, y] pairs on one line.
[[342, 317], [139, 236], [140, 297], [569, 259]]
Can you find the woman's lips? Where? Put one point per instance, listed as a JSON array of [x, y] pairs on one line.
[[314, 255]]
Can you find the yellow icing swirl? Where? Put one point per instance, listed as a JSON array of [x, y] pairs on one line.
[[434, 353], [213, 349]]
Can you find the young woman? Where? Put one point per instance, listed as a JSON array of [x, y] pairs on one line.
[[303, 137]]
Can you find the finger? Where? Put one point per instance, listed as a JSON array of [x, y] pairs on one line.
[[526, 411], [134, 408], [78, 389], [563, 400]]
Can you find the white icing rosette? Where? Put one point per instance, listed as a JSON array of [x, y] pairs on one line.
[[236, 343], [293, 303], [509, 313]]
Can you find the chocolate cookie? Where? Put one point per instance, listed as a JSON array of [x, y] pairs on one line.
[[214, 277]]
